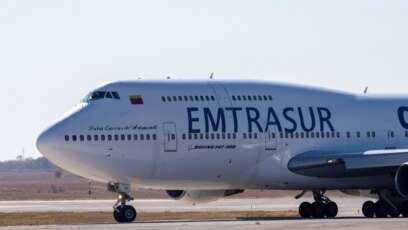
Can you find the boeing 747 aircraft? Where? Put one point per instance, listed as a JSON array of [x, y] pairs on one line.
[[203, 140]]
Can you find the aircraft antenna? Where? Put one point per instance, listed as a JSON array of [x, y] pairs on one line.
[[212, 75], [366, 89]]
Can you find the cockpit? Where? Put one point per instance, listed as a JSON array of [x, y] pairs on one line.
[[97, 95]]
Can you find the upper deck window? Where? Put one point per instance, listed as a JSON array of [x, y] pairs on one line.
[[96, 95]]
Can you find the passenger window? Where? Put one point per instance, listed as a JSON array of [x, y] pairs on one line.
[[212, 98], [255, 99], [195, 136], [348, 134], [148, 137], [234, 136], [317, 135], [173, 136], [207, 98], [196, 98], [184, 136], [296, 135], [180, 98], [302, 135], [260, 98], [338, 134], [368, 134], [228, 135], [202, 98], [201, 136], [312, 135], [174, 98], [135, 137], [212, 136], [233, 98], [154, 137], [96, 137], [122, 137], [244, 98], [109, 137], [141, 137], [239, 98], [207, 136], [190, 136], [250, 135], [168, 98], [191, 98], [185, 98], [265, 98], [102, 137], [81, 138], [270, 98], [281, 135], [307, 135], [66, 138], [88, 137], [249, 98], [74, 138], [129, 137], [255, 135], [245, 136], [358, 134], [116, 137], [373, 134]]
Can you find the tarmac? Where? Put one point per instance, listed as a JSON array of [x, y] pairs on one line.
[[349, 216]]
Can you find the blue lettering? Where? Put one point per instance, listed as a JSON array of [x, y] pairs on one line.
[[191, 120], [401, 111], [290, 119], [275, 121], [302, 121], [215, 124], [324, 119], [253, 119], [234, 116]]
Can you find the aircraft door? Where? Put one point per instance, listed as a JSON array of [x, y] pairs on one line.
[[271, 139], [170, 137]]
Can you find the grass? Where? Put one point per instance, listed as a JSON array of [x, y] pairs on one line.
[[65, 218]]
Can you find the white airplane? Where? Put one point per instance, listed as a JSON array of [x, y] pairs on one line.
[[203, 140]]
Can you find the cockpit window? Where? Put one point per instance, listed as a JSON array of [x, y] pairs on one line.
[[96, 95], [115, 95]]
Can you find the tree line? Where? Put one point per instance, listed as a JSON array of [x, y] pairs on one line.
[[27, 164]]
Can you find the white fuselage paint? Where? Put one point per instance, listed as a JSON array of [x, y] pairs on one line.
[[191, 161]]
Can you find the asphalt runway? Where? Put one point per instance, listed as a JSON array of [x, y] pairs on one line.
[[349, 216], [339, 223], [349, 206]]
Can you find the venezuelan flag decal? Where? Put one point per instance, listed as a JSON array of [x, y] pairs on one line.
[[136, 99]]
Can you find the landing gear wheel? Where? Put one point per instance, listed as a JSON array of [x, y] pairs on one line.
[[394, 212], [404, 209], [331, 209], [305, 210], [318, 209], [128, 214], [116, 214], [381, 209], [368, 209]]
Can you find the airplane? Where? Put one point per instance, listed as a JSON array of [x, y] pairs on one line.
[[204, 140]]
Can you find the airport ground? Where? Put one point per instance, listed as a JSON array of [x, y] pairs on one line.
[[40, 197]]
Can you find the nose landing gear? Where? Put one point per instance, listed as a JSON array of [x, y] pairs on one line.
[[122, 213]]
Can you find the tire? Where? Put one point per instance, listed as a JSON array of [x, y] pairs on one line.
[[117, 215], [318, 210], [394, 213], [368, 209], [331, 209], [128, 214], [305, 210], [381, 209], [404, 209]]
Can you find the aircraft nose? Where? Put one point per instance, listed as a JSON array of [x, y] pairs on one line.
[[49, 141]]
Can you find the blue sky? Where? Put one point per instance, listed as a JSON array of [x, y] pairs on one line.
[[53, 52]]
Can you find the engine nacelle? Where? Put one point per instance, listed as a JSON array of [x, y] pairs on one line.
[[201, 196], [401, 180]]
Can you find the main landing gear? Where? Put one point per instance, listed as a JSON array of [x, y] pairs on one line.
[[389, 204], [321, 207], [122, 213]]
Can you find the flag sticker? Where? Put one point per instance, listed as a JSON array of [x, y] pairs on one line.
[[136, 99]]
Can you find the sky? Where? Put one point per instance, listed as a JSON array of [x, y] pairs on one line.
[[52, 53]]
